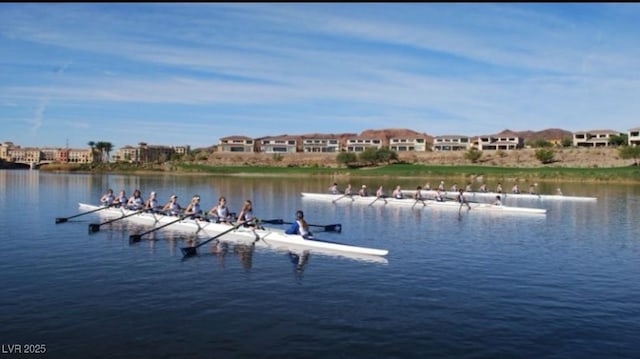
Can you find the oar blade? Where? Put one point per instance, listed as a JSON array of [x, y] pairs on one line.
[[134, 238], [94, 227], [333, 228], [61, 220], [189, 251]]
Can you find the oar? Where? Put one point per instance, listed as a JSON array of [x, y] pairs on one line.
[[341, 197], [419, 200], [64, 219], [137, 237], [327, 228], [271, 221], [190, 251], [377, 198], [95, 227]]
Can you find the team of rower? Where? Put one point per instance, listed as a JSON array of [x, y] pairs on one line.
[[219, 213], [437, 192]]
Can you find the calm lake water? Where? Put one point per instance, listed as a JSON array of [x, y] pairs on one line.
[[564, 285]]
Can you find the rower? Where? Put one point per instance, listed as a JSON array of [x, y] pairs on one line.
[[333, 189], [246, 216], [363, 191], [497, 202], [221, 211], [397, 193], [300, 226], [152, 203], [438, 196], [193, 209], [135, 202], [121, 200], [418, 194], [107, 198], [462, 200], [172, 207], [515, 189]]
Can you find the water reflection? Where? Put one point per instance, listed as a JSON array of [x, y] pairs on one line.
[[299, 261]]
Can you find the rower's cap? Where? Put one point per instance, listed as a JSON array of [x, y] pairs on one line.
[[174, 196], [364, 186], [153, 193]]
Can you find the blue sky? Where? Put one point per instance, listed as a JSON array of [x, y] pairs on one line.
[[191, 73]]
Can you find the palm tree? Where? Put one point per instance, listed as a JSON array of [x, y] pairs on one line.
[[100, 148], [107, 147], [92, 144]]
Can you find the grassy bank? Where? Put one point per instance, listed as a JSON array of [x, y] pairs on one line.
[[627, 174]]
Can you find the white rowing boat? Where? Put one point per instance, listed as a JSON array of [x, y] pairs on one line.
[[408, 202], [492, 195], [270, 237]]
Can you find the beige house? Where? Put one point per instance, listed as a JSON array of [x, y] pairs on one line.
[[236, 144], [359, 143], [404, 144], [634, 136], [504, 141], [278, 144], [324, 144], [451, 143], [593, 138]]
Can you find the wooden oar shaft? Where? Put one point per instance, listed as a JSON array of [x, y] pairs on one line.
[[137, 237], [64, 219], [187, 251], [95, 227]]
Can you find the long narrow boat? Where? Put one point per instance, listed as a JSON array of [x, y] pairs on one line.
[[271, 237], [505, 195], [408, 202]]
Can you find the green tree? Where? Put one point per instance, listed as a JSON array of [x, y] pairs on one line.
[[473, 155], [619, 140], [108, 147], [542, 143], [567, 142], [369, 156], [346, 158], [104, 148], [545, 155], [384, 154], [627, 152]]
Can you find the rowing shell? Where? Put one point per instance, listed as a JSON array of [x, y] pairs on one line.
[[409, 202], [492, 195], [270, 237]]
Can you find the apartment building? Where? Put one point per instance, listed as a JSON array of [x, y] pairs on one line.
[[451, 143], [360, 144], [404, 144], [236, 144], [504, 141], [278, 144], [320, 143], [593, 138]]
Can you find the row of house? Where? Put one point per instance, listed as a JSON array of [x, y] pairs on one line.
[[506, 140]]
